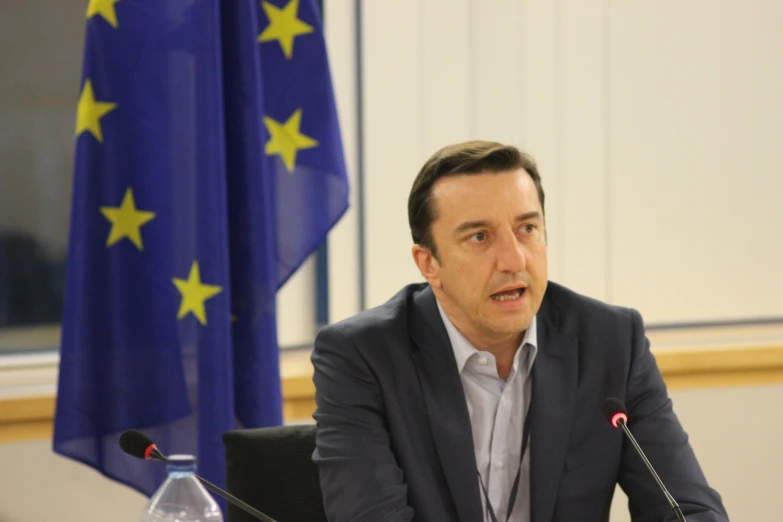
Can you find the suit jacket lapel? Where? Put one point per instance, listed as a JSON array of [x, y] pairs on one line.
[[446, 406], [554, 394]]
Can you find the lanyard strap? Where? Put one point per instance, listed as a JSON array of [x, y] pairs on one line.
[[513, 495]]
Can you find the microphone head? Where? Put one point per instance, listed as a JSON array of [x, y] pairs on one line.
[[134, 442], [614, 410]]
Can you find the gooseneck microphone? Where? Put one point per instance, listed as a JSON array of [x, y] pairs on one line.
[[137, 444], [615, 412]]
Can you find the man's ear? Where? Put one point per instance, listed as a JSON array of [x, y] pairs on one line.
[[427, 264]]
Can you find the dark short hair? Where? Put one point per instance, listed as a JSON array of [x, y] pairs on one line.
[[470, 157]]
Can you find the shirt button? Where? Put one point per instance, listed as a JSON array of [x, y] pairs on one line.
[[482, 360], [499, 464]]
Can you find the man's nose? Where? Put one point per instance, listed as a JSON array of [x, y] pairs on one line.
[[511, 254]]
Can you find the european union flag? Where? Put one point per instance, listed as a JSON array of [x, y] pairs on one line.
[[208, 167]]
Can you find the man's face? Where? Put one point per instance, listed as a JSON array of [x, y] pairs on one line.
[[489, 233]]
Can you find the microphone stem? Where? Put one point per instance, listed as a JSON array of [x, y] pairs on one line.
[[678, 512], [672, 503], [234, 500]]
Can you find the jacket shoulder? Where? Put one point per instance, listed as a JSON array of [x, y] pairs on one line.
[[573, 307], [389, 318]]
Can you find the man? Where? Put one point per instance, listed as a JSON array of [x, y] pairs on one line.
[[477, 395]]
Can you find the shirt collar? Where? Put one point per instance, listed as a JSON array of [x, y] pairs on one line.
[[463, 349]]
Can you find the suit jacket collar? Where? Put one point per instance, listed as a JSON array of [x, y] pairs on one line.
[[446, 406], [553, 398], [554, 394]]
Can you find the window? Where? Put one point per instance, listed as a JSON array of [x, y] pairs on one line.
[[41, 46]]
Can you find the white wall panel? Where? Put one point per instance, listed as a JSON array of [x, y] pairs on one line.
[[445, 73], [655, 127], [497, 71], [541, 116], [695, 228], [393, 137], [344, 237], [583, 231], [296, 321]]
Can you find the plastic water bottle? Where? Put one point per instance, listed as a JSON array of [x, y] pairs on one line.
[[182, 498]]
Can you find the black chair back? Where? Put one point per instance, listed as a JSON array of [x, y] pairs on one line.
[[272, 470]]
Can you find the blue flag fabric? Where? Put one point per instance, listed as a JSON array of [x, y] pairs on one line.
[[208, 167]]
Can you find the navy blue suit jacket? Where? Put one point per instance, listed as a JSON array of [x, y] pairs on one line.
[[394, 441]]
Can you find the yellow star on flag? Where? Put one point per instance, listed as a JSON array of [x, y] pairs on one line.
[[194, 293], [105, 8], [284, 26], [89, 112], [286, 140], [126, 221]]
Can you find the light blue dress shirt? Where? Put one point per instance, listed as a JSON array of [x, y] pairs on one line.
[[497, 410]]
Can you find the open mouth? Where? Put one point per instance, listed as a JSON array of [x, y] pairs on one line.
[[508, 295]]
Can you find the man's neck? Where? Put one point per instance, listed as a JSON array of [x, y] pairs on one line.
[[504, 353], [503, 349]]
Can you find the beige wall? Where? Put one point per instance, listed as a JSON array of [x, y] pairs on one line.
[[736, 433], [655, 125], [38, 486]]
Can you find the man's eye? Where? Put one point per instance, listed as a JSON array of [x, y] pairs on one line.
[[478, 237], [529, 228]]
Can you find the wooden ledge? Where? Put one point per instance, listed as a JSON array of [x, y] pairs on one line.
[[25, 418], [721, 367]]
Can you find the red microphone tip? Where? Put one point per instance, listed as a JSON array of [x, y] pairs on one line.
[[149, 450], [616, 419]]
